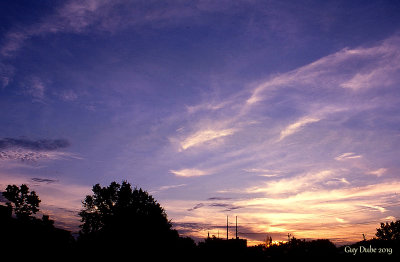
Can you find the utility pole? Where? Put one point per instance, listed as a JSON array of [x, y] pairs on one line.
[[227, 228], [236, 228]]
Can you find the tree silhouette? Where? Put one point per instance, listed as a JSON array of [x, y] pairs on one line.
[[389, 231], [25, 235], [23, 202], [119, 216]]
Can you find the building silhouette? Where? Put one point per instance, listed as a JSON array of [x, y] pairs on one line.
[[225, 244]]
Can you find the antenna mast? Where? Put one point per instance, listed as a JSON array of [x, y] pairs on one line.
[[236, 228], [227, 228]]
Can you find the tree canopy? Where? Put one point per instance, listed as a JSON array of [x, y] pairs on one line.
[[23, 202], [120, 212], [389, 231]]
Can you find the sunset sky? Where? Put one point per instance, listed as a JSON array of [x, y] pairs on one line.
[[283, 113]]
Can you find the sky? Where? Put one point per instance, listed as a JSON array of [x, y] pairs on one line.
[[285, 114]]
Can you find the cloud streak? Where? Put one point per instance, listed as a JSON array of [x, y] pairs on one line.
[[378, 67], [35, 145], [27, 150], [101, 16], [293, 184], [26, 155], [297, 126], [378, 172], [187, 172], [74, 16], [44, 180], [349, 155], [204, 136], [197, 206]]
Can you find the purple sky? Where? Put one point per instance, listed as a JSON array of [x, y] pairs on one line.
[[284, 113]]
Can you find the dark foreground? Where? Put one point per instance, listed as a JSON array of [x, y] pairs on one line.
[[39, 239]]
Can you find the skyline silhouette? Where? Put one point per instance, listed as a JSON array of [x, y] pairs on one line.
[[14, 196], [118, 219]]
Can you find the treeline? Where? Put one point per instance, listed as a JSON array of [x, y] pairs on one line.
[[120, 222]]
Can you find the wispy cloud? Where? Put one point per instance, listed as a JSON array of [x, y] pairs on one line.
[[73, 16], [293, 184], [381, 75], [187, 172], [336, 181], [353, 205], [218, 198], [6, 74], [257, 93], [171, 187], [78, 17], [206, 106], [390, 218], [44, 180], [39, 145], [340, 220], [14, 41], [225, 206], [297, 126], [259, 170], [367, 80], [263, 172], [378, 172], [27, 150], [203, 136], [378, 65], [36, 88], [349, 155], [28, 156], [68, 95], [165, 188], [379, 208], [197, 206], [323, 196]]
